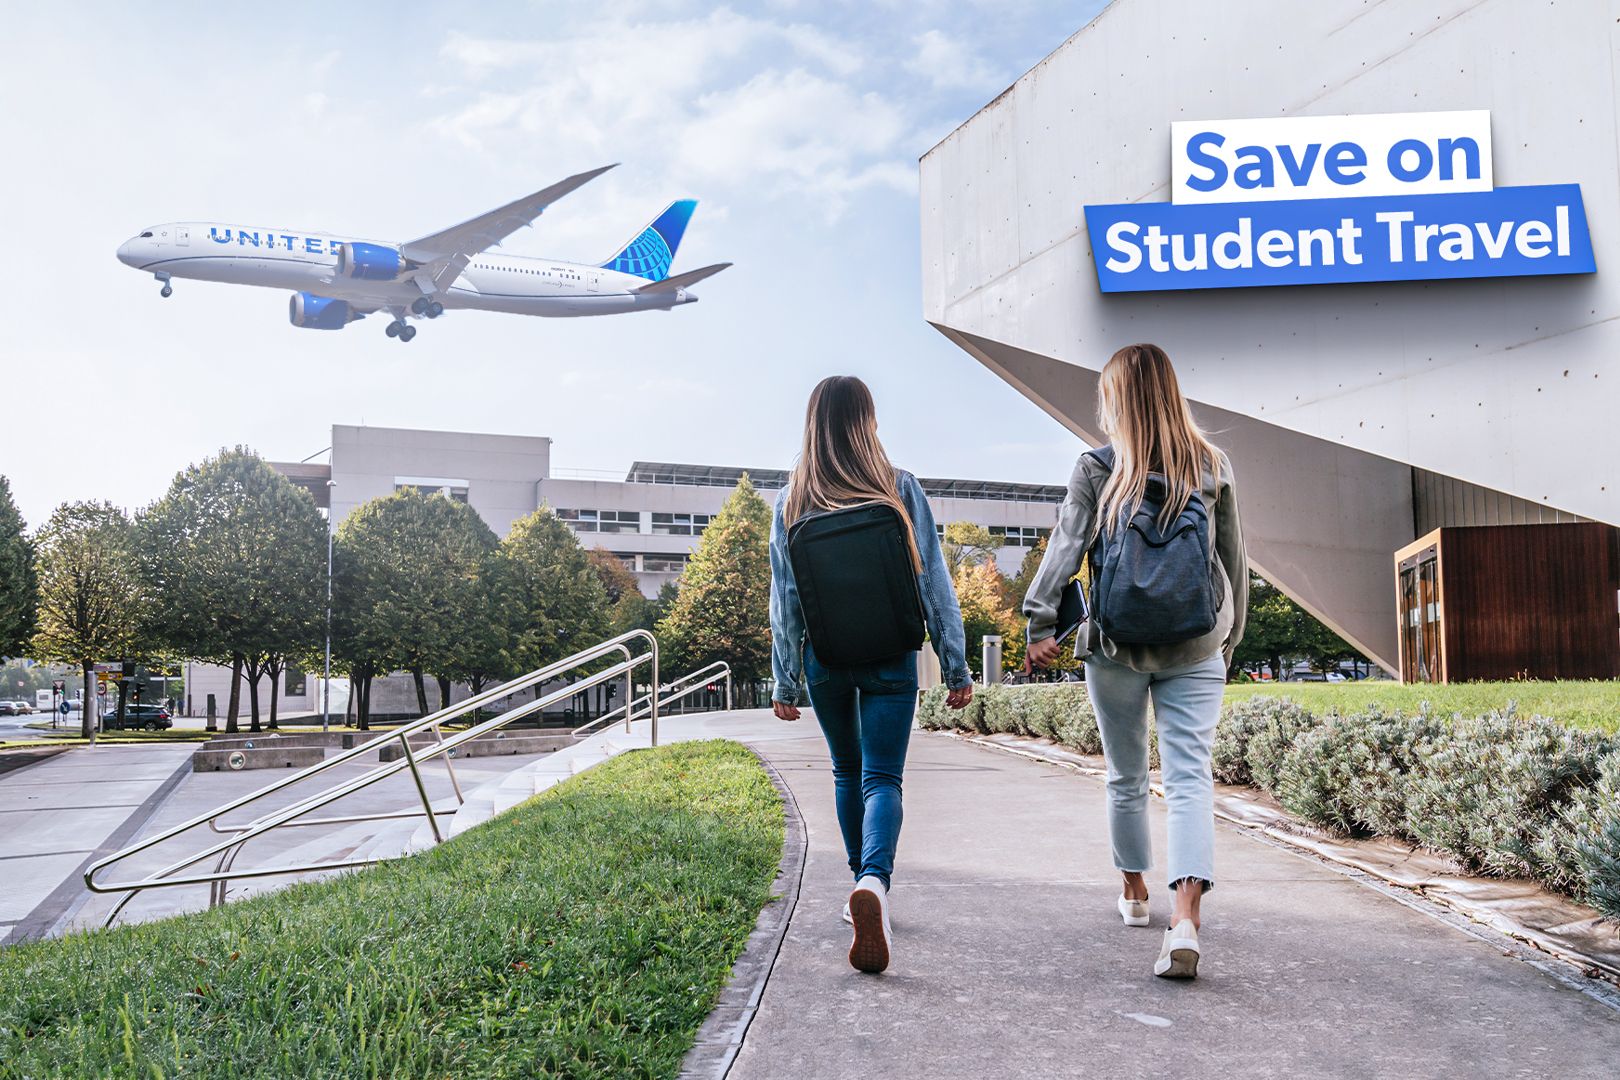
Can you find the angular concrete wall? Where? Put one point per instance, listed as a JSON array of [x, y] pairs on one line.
[[1508, 385]]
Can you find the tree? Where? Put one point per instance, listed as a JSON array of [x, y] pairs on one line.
[[1018, 588], [556, 589], [967, 544], [981, 592], [89, 592], [19, 583], [235, 558], [411, 589], [629, 609], [722, 611], [1278, 631], [485, 651]]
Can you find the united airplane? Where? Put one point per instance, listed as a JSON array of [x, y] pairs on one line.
[[337, 279]]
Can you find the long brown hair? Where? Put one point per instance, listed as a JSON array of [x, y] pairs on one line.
[[1141, 410], [842, 463]]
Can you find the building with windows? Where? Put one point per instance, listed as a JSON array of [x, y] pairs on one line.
[[651, 519], [1369, 396]]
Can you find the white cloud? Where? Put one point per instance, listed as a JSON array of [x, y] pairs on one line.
[[949, 63], [736, 103]]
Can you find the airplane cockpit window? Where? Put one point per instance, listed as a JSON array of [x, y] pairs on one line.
[[146, 234]]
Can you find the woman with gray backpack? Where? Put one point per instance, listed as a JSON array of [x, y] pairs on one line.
[[1156, 513], [856, 569]]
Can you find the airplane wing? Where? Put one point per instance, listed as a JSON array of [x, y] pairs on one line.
[[444, 255], [681, 281]]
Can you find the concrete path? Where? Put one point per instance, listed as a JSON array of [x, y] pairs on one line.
[[1010, 960], [55, 815]]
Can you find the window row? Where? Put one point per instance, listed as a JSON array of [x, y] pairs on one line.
[[607, 521]]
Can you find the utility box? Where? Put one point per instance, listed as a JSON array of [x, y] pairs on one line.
[[1496, 602]]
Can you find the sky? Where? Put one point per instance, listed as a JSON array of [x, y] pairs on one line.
[[796, 125]]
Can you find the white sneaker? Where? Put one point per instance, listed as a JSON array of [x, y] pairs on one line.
[[847, 916], [1178, 958], [1134, 912], [869, 912]]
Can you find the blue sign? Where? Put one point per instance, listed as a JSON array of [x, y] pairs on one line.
[[1506, 232]]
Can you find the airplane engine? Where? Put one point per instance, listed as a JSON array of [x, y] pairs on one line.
[[369, 262], [319, 312]]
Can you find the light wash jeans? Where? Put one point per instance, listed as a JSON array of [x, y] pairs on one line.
[[1186, 704]]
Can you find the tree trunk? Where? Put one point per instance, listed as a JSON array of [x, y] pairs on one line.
[[275, 694], [255, 669], [360, 695], [421, 691], [123, 702], [444, 691], [235, 708], [87, 718]]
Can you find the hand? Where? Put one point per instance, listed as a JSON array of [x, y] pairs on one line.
[[958, 699], [784, 711], [1043, 652]]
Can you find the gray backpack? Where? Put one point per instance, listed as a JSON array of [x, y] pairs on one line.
[[1153, 586]]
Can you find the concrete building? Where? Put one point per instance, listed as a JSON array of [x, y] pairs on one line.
[[651, 519], [1360, 415]]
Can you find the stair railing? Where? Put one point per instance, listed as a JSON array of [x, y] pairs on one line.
[[238, 835]]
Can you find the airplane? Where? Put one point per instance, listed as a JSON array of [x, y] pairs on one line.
[[338, 280]]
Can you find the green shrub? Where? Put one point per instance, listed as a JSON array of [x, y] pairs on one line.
[[1492, 789], [1351, 774], [1000, 705], [1597, 848], [1253, 736], [931, 711]]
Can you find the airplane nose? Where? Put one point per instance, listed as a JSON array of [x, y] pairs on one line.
[[126, 253]]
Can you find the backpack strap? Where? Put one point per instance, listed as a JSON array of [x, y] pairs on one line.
[[1103, 455]]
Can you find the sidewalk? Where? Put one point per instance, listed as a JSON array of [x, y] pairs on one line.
[[56, 814], [1010, 960]]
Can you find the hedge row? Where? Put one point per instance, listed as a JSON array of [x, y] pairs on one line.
[[1505, 795]]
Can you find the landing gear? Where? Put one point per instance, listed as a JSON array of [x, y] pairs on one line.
[[400, 329], [407, 333], [432, 309], [419, 305], [435, 309], [167, 290]]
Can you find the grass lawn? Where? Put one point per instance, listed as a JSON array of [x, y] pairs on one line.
[[1594, 705], [583, 934]]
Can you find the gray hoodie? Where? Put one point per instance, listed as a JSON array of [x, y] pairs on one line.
[[1067, 547]]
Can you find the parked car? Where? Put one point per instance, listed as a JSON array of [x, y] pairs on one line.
[[23, 707], [149, 717], [14, 708]]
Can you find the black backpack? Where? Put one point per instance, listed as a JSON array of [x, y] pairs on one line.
[[857, 585], [1153, 586]]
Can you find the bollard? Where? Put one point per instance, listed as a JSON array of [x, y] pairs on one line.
[[992, 659]]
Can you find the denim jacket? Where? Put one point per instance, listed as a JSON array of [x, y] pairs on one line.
[[943, 615]]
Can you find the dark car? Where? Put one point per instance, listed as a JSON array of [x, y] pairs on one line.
[[149, 717], [11, 708]]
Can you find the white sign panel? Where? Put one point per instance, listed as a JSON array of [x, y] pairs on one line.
[[1327, 157]]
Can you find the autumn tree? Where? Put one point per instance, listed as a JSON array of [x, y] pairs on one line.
[[722, 611], [19, 582], [981, 592], [629, 609], [90, 597], [1018, 588], [967, 544]]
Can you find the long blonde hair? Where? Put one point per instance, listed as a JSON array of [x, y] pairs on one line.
[[842, 463], [1141, 410]]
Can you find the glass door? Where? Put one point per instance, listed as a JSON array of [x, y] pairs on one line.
[[1420, 617]]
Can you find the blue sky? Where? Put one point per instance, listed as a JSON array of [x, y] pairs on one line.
[[797, 126]]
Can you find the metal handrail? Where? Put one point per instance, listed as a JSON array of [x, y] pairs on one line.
[[239, 835], [677, 690]]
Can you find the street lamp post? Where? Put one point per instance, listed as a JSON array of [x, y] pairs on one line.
[[326, 683]]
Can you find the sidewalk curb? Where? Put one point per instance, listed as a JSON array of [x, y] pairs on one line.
[[721, 1037], [50, 913], [1586, 974]]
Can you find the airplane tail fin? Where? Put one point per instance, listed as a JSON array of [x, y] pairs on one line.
[[652, 250]]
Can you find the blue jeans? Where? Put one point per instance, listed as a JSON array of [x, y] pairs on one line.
[[865, 714], [1186, 704]]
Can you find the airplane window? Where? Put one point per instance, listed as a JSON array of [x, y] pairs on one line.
[[145, 234]]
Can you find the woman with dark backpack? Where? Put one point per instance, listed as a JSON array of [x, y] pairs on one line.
[[857, 569], [1156, 513]]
